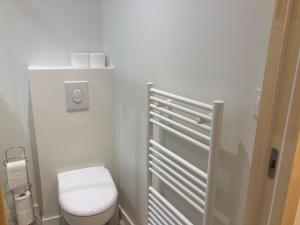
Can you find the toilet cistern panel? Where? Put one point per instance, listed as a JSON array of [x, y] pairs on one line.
[[77, 95]]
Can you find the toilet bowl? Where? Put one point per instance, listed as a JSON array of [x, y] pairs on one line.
[[87, 196]]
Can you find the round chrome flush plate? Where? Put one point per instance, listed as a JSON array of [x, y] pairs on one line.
[[77, 96]]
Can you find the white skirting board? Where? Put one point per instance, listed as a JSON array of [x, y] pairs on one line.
[[124, 217], [55, 220], [221, 217]]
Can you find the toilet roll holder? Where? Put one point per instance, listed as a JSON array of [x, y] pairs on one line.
[[20, 154]]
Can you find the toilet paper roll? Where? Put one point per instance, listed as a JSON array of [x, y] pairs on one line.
[[24, 208], [16, 174], [25, 218], [97, 60], [80, 60]]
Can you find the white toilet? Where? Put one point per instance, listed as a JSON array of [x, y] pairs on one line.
[[87, 196]]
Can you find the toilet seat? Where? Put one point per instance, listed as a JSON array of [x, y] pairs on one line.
[[86, 192]]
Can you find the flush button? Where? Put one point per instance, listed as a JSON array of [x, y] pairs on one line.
[[77, 96]]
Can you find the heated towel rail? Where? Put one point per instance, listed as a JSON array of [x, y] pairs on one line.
[[197, 123]]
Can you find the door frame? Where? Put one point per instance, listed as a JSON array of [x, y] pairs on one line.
[[263, 194]]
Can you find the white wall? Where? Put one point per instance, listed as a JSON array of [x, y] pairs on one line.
[[201, 49], [38, 33]]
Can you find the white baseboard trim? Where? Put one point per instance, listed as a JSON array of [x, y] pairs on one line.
[[221, 217], [124, 217], [54, 220]]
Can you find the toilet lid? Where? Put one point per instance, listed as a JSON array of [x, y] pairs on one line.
[[86, 192]]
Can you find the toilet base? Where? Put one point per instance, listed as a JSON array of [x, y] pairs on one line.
[[98, 219]]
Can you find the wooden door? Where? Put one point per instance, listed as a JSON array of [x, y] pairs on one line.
[[277, 122]]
